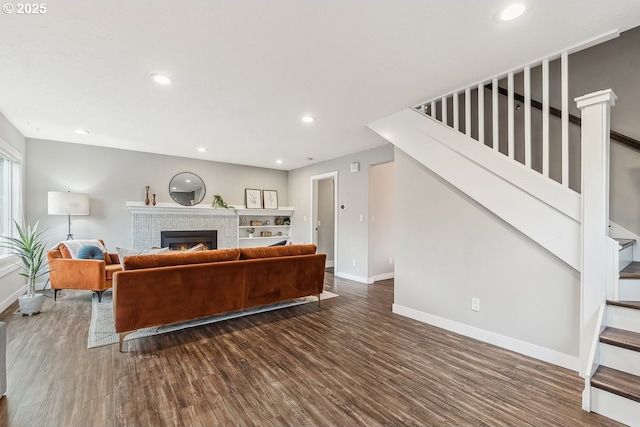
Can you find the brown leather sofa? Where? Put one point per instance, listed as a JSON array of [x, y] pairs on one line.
[[160, 289], [83, 274]]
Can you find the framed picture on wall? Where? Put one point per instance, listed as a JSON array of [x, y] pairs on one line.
[[252, 198], [270, 199]]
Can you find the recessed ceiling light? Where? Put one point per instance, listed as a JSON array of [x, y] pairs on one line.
[[187, 180], [308, 119], [511, 12], [161, 79], [279, 161], [202, 150], [81, 131]]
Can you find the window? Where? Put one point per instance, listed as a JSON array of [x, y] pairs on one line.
[[10, 176]]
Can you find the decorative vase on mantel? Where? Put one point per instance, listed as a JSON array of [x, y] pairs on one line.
[[146, 195], [153, 202]]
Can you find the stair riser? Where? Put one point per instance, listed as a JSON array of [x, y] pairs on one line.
[[629, 290], [626, 256], [615, 407], [620, 358], [623, 318]]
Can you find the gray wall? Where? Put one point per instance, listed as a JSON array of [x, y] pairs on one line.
[[615, 65], [11, 283], [353, 241], [325, 216], [381, 218], [450, 249], [112, 177]]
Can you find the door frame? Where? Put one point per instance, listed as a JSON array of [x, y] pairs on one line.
[[313, 196]]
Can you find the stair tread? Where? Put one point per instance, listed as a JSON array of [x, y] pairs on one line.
[[621, 338], [631, 271], [624, 243], [617, 382], [626, 304]]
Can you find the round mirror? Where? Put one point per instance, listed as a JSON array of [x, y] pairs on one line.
[[187, 189]]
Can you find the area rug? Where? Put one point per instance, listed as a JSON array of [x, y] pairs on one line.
[[102, 330]]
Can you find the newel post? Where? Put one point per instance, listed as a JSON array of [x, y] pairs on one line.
[[595, 109]]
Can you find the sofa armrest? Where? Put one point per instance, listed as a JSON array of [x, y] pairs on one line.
[[85, 274]]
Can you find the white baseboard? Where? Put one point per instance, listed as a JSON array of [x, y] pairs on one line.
[[360, 279], [522, 347], [12, 298], [383, 276]]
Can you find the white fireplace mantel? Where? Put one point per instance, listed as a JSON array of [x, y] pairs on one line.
[[175, 208]]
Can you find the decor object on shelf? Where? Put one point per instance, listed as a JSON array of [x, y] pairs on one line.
[[252, 198], [68, 203], [153, 202], [250, 231], [270, 199], [286, 221], [268, 223], [146, 195], [218, 202], [29, 246], [68, 271], [187, 189]]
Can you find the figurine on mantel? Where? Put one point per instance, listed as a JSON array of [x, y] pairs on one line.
[[153, 201], [146, 195]]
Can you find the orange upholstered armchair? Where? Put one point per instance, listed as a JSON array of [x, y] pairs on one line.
[[69, 272]]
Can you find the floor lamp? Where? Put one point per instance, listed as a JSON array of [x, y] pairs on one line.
[[68, 203]]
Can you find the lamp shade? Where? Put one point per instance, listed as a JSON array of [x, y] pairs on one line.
[[67, 203]]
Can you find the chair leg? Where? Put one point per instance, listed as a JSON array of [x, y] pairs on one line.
[[55, 294], [99, 295]]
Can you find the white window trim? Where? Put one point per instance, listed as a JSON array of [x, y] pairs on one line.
[[7, 151]]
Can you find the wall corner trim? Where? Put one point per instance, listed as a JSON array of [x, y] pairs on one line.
[[522, 347]]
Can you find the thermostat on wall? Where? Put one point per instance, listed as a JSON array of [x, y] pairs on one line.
[[355, 166]]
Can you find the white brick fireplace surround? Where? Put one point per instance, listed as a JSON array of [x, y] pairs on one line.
[[148, 221]]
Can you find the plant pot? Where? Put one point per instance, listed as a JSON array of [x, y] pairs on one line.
[[30, 305], [251, 235]]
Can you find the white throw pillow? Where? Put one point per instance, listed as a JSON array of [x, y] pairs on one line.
[[122, 253]]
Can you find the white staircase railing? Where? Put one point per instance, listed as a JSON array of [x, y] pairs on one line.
[[478, 111]]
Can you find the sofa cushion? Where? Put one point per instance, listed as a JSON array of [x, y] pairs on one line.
[[179, 258], [277, 251], [90, 252], [110, 269], [123, 253]]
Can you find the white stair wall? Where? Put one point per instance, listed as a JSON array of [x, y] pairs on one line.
[[615, 407], [623, 318], [620, 358], [539, 207]]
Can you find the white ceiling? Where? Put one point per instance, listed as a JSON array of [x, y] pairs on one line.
[[246, 71]]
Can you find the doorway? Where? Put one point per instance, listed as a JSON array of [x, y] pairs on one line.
[[324, 216]]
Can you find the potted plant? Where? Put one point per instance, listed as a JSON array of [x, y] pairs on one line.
[[250, 231], [29, 246]]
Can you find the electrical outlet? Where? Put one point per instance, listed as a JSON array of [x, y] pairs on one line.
[[304, 218], [354, 261], [361, 218], [390, 260], [475, 304]]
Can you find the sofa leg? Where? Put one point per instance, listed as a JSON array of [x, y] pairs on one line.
[[319, 305], [55, 294], [99, 293], [122, 335]]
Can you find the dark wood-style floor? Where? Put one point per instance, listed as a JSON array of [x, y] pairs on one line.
[[350, 362]]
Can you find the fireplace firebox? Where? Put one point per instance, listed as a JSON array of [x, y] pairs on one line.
[[181, 240]]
